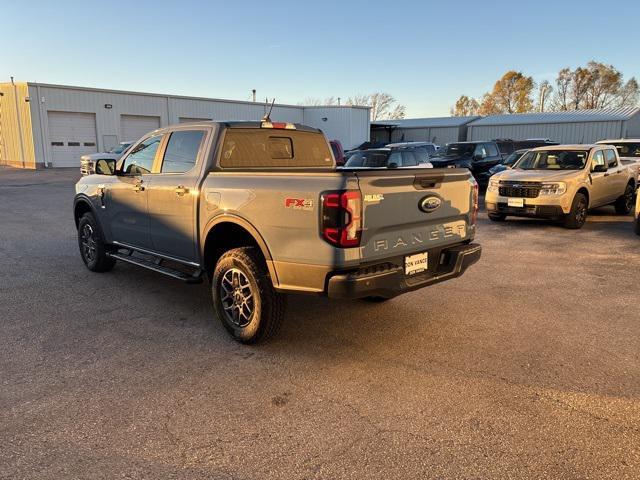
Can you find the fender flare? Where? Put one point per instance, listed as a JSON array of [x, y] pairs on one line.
[[81, 198], [253, 231]]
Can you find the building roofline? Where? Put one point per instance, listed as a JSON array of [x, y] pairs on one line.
[[181, 97]]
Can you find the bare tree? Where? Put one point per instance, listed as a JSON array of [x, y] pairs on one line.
[[544, 92], [629, 94], [383, 105], [317, 102]]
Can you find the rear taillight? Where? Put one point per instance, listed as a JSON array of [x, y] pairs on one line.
[[474, 213], [342, 218]]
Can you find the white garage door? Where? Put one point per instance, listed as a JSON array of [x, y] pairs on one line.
[[134, 127], [72, 135], [192, 119]]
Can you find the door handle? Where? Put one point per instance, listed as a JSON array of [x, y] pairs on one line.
[[606, 175], [180, 190]]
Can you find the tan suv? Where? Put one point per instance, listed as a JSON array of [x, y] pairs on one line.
[[562, 182]]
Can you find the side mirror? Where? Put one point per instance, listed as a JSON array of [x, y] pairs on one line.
[[105, 167], [392, 165], [477, 157], [599, 168]]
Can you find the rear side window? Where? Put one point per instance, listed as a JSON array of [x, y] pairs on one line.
[[267, 148], [182, 151], [612, 161]]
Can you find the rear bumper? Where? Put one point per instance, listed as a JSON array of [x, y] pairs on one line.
[[389, 280]]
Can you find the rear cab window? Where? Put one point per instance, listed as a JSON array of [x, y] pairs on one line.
[[274, 148], [610, 155]]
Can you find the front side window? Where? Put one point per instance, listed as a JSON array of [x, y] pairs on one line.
[[480, 152], [140, 160], [610, 155], [409, 159], [598, 159], [182, 151], [554, 160], [492, 151]]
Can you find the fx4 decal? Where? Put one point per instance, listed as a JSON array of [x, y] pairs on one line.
[[298, 203]]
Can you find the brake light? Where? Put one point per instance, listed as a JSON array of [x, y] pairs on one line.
[[278, 125], [342, 218], [474, 213]]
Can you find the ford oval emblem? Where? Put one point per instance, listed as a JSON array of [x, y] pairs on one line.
[[430, 204]]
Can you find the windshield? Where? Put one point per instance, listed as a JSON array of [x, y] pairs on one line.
[[459, 149], [554, 160], [368, 158], [119, 148], [627, 149], [512, 159]]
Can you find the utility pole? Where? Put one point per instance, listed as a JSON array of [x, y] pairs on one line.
[[253, 94]]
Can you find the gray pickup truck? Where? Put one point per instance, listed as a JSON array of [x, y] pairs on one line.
[[259, 210]]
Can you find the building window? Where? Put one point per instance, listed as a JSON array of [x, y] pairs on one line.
[[89, 144], [73, 144], [57, 144]]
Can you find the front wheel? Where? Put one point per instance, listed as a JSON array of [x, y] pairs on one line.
[[624, 203], [93, 249], [576, 218], [244, 298]]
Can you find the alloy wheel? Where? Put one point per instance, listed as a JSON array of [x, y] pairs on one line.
[[88, 241], [237, 297]]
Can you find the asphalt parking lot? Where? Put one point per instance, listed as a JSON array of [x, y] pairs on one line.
[[526, 367]]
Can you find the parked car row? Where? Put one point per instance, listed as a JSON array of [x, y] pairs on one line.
[[562, 182]]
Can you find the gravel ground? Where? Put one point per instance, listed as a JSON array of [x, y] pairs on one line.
[[526, 367]]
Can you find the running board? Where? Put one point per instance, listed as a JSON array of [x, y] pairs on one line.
[[157, 267]]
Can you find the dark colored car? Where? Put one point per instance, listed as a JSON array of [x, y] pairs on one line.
[[508, 146], [389, 158], [478, 157], [508, 162], [338, 152]]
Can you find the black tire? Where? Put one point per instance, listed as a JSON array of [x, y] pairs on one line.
[[624, 203], [576, 218], [497, 217], [93, 248], [636, 228], [244, 298]]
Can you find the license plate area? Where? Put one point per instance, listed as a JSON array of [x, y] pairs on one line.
[[416, 263], [515, 202]]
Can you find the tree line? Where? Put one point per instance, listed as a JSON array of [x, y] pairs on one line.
[[594, 86], [383, 105]]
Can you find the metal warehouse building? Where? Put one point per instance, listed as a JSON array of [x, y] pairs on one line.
[[439, 130], [53, 125], [578, 126]]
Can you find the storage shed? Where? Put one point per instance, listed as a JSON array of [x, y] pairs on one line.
[[439, 130], [53, 125], [576, 126]]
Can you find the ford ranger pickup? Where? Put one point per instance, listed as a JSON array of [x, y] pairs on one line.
[[562, 182], [259, 210]]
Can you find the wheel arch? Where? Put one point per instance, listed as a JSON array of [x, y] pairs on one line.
[[81, 205], [585, 191], [230, 231]]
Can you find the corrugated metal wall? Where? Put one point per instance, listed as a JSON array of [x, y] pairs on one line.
[[579, 132], [632, 127], [349, 125], [16, 139], [437, 135]]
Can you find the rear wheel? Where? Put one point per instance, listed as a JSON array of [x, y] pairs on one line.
[[576, 218], [93, 249], [497, 217], [624, 204], [244, 298]]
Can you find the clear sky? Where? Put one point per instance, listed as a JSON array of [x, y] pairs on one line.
[[424, 53]]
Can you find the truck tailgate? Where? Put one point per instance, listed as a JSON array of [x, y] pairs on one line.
[[412, 211]]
